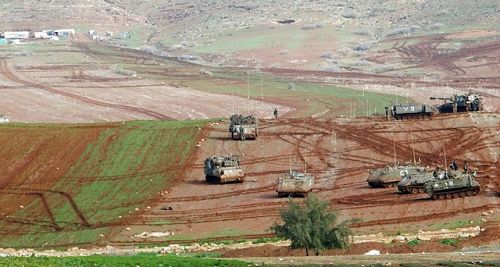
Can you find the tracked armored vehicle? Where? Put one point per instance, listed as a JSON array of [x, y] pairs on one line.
[[295, 183], [454, 185], [460, 103], [390, 176], [411, 111], [243, 127], [223, 170], [415, 182]]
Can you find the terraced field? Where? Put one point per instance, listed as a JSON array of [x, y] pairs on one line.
[[75, 184]]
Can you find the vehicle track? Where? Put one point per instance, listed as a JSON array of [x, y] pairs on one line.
[[9, 75]]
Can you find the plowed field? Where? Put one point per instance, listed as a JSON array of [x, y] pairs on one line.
[[76, 184]]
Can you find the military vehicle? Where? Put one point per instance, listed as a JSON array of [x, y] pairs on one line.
[[415, 182], [243, 127], [454, 184], [408, 111], [223, 170], [460, 103], [390, 176], [295, 183]]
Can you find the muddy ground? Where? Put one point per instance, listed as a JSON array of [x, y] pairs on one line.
[[339, 152]]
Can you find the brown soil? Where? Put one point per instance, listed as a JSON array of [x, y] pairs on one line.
[[85, 93], [339, 152], [355, 249], [35, 161], [489, 237]]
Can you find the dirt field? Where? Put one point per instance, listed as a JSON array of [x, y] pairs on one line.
[[339, 152], [33, 89]]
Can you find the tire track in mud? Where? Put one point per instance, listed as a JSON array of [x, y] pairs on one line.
[[221, 195], [271, 209], [22, 164], [420, 218], [42, 195], [9, 75], [312, 142]]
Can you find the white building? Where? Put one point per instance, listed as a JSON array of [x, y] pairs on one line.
[[42, 35], [65, 32], [3, 119], [17, 35]]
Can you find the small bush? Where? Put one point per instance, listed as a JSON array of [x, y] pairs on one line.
[[313, 226], [267, 240], [449, 241], [122, 71], [413, 242], [211, 254]]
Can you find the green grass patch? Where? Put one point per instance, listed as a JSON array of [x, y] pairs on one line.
[[454, 224], [209, 254], [313, 98], [142, 260], [267, 240], [449, 241], [227, 232], [412, 265], [138, 36], [117, 174], [490, 263], [291, 37], [413, 242], [454, 264]]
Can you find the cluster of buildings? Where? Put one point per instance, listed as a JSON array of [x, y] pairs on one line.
[[16, 37], [19, 36]]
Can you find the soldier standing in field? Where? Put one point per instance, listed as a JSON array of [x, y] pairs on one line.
[[275, 113]]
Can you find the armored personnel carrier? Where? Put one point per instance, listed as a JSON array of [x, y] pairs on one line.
[[295, 183], [460, 103], [223, 170], [408, 111], [243, 127], [390, 176], [415, 182], [454, 185]]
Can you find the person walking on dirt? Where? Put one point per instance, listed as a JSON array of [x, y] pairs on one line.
[[386, 113], [275, 113]]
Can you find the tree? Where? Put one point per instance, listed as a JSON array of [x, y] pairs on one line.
[[313, 226]]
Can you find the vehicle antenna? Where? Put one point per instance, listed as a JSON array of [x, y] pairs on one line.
[[261, 87], [238, 102], [412, 144], [394, 145], [248, 91], [232, 100], [444, 151]]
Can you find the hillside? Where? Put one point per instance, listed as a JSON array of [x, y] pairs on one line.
[[76, 184], [321, 35]]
